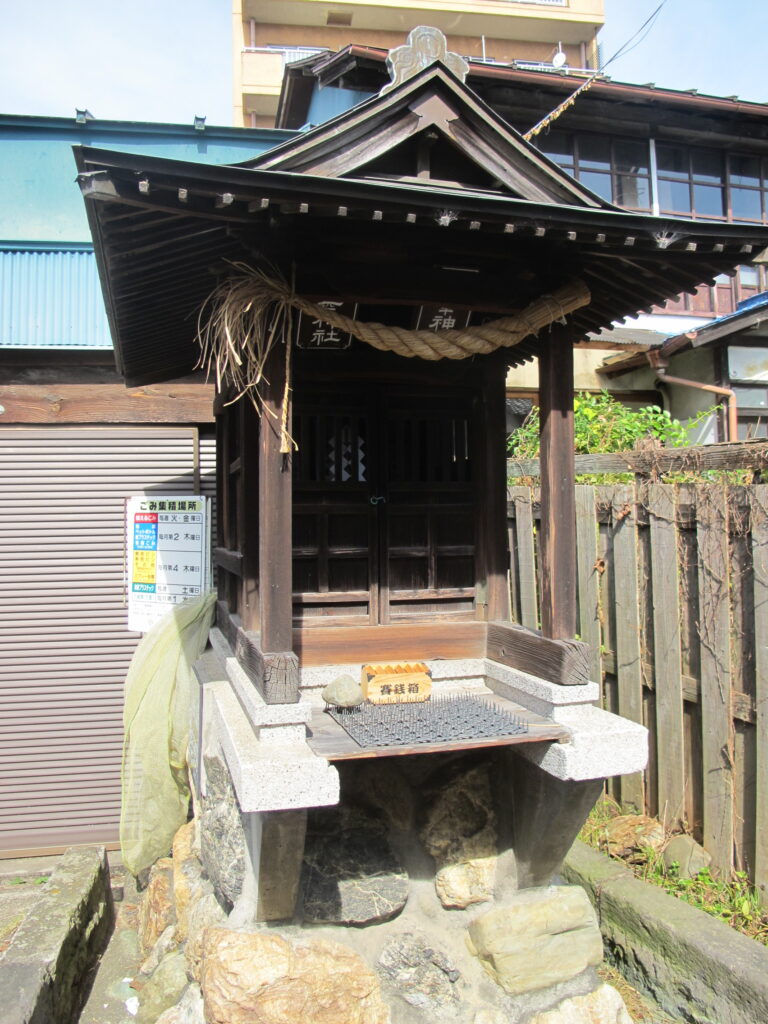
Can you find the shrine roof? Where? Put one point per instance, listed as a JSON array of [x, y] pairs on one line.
[[420, 195]]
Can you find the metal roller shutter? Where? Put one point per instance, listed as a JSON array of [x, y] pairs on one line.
[[64, 646]]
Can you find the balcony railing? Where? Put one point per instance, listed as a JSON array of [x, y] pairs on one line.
[[291, 54]]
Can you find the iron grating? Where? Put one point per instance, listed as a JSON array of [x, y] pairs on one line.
[[438, 720]]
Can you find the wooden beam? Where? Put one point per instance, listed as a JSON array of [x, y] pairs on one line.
[[558, 507], [492, 584], [106, 403], [275, 499], [401, 641], [560, 661], [249, 514], [728, 455]]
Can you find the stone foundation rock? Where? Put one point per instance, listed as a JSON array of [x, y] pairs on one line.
[[460, 833], [539, 938], [421, 975], [351, 874], [156, 911], [222, 843], [260, 976], [603, 1006]]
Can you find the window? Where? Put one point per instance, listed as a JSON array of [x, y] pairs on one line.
[[723, 297], [616, 169], [691, 181], [748, 183]]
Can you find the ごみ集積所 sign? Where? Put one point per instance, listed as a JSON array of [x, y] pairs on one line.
[[167, 541]]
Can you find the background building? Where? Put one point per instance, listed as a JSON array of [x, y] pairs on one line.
[[270, 34]]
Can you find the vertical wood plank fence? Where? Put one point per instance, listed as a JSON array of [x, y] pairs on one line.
[[673, 598]]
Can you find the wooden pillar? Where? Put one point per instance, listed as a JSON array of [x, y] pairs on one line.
[[558, 496], [492, 448], [250, 444], [281, 682]]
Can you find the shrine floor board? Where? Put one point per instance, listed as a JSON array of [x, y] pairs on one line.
[[329, 740]]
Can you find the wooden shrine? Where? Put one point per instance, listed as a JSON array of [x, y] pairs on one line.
[[381, 533]]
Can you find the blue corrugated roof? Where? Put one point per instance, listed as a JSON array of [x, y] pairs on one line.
[[51, 299]]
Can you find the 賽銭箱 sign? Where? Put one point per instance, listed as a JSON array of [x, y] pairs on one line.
[[167, 541]]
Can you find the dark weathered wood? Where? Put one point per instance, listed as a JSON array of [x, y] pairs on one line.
[[759, 523], [492, 545], [106, 403], [228, 623], [560, 661], [743, 704], [232, 561], [588, 577], [249, 526], [733, 455], [628, 667], [275, 676], [558, 522], [525, 555], [666, 651], [275, 503], [281, 678], [715, 704], [328, 739], [406, 641]]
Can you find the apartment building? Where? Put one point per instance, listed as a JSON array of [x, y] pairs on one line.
[[268, 35]]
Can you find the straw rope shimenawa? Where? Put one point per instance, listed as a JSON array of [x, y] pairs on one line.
[[251, 311]]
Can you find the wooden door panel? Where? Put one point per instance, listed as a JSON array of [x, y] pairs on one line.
[[384, 510]]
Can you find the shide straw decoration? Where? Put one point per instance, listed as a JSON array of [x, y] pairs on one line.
[[249, 313]]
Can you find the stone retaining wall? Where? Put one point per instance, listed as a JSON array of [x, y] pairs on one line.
[[694, 966], [44, 971]]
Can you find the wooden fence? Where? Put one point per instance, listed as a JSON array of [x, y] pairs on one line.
[[673, 599]]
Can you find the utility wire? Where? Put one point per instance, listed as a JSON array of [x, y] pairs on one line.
[[645, 28], [647, 25]]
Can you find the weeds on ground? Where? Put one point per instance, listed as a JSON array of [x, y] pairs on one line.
[[734, 901]]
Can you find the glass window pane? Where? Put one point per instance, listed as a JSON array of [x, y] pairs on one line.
[[672, 161], [600, 183], [558, 146], [745, 204], [631, 156], [633, 191], [745, 170], [752, 398], [674, 196], [594, 152], [708, 201], [707, 165], [749, 276]]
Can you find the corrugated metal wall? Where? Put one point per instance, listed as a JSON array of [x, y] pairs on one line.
[[64, 646], [51, 300]]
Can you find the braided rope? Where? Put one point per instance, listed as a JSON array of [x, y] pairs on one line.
[[449, 344]]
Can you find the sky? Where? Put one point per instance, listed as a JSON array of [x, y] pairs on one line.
[[156, 60]]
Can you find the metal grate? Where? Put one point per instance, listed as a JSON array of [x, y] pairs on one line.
[[439, 720]]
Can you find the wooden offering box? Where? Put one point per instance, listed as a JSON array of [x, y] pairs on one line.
[[400, 683]]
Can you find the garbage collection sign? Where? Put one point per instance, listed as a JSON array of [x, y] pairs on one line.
[[168, 561]]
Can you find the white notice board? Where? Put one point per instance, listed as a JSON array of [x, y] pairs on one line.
[[168, 560]]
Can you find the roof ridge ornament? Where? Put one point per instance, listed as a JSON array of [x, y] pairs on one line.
[[425, 46]]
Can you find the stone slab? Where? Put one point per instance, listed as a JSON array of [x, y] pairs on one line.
[[537, 694], [695, 967], [43, 971], [601, 745], [267, 776]]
